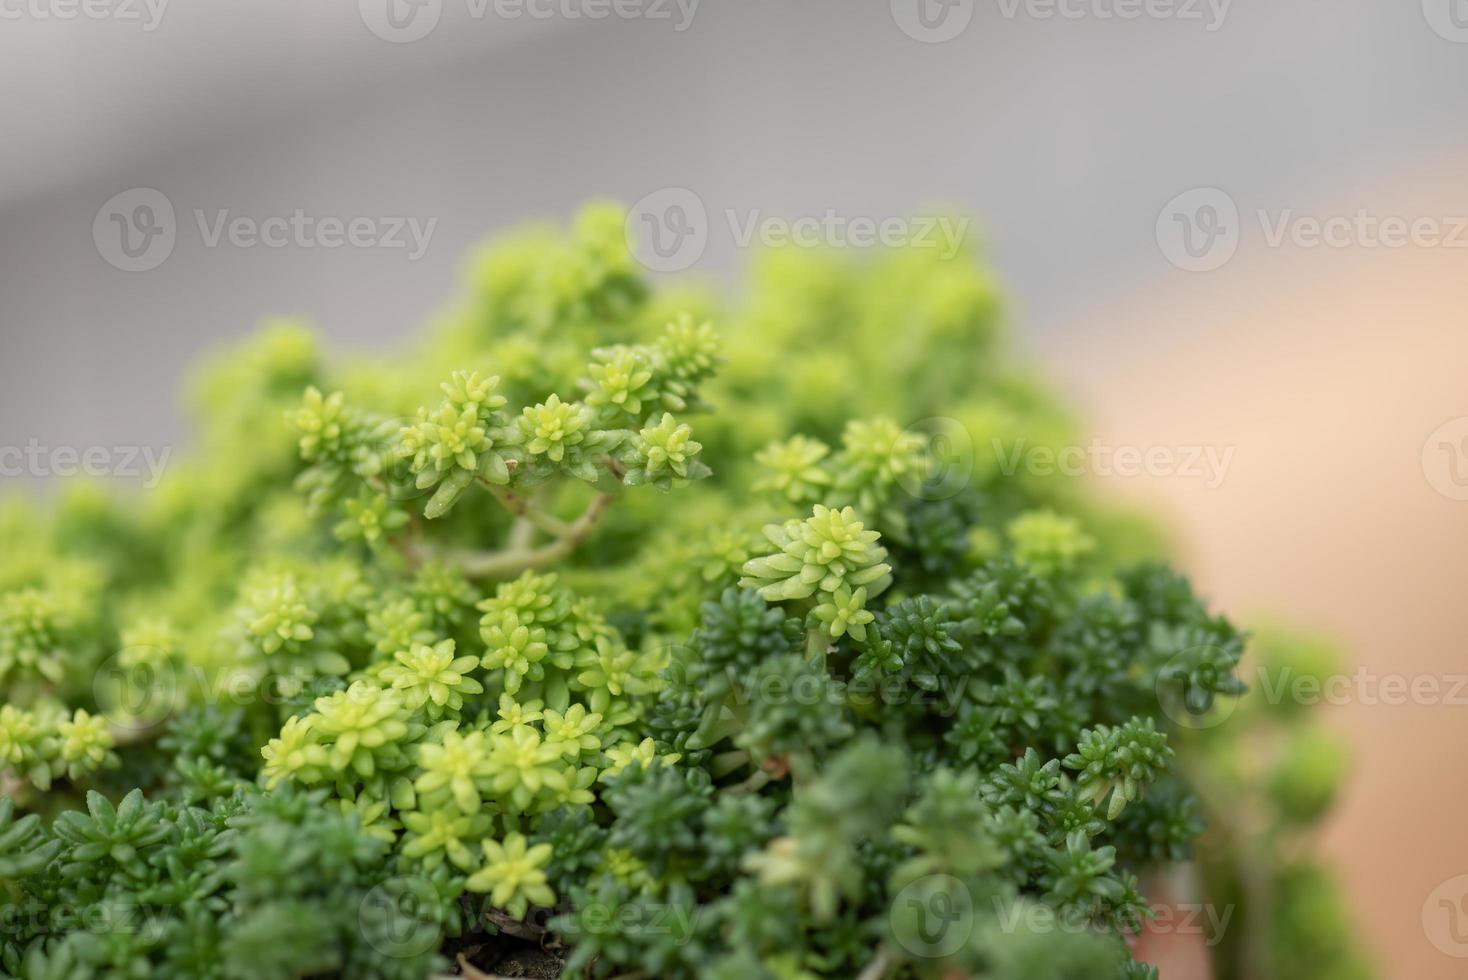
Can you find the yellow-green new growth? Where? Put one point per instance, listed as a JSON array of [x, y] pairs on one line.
[[459, 769], [324, 424], [792, 469], [620, 379], [295, 754], [359, 721], [828, 550], [666, 453], [553, 427], [1049, 542], [432, 677], [514, 875]]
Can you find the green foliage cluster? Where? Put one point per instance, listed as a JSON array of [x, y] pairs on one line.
[[654, 649]]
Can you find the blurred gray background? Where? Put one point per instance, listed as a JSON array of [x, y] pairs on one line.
[[1064, 136]]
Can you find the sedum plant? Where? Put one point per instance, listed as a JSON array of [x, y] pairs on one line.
[[589, 638]]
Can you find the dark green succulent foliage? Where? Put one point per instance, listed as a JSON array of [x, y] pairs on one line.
[[1162, 826], [576, 841], [736, 634], [657, 812], [257, 887], [24, 849], [589, 639], [793, 707]]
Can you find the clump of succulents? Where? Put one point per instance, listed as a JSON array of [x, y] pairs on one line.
[[592, 638]]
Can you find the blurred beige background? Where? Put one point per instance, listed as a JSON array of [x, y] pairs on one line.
[[1087, 145], [1326, 372]]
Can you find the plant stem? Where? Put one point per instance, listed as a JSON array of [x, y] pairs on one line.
[[817, 645], [514, 927], [522, 532], [876, 969], [526, 509], [512, 561], [757, 781]]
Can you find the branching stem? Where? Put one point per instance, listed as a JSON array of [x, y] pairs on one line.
[[512, 561], [526, 509], [877, 968]]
